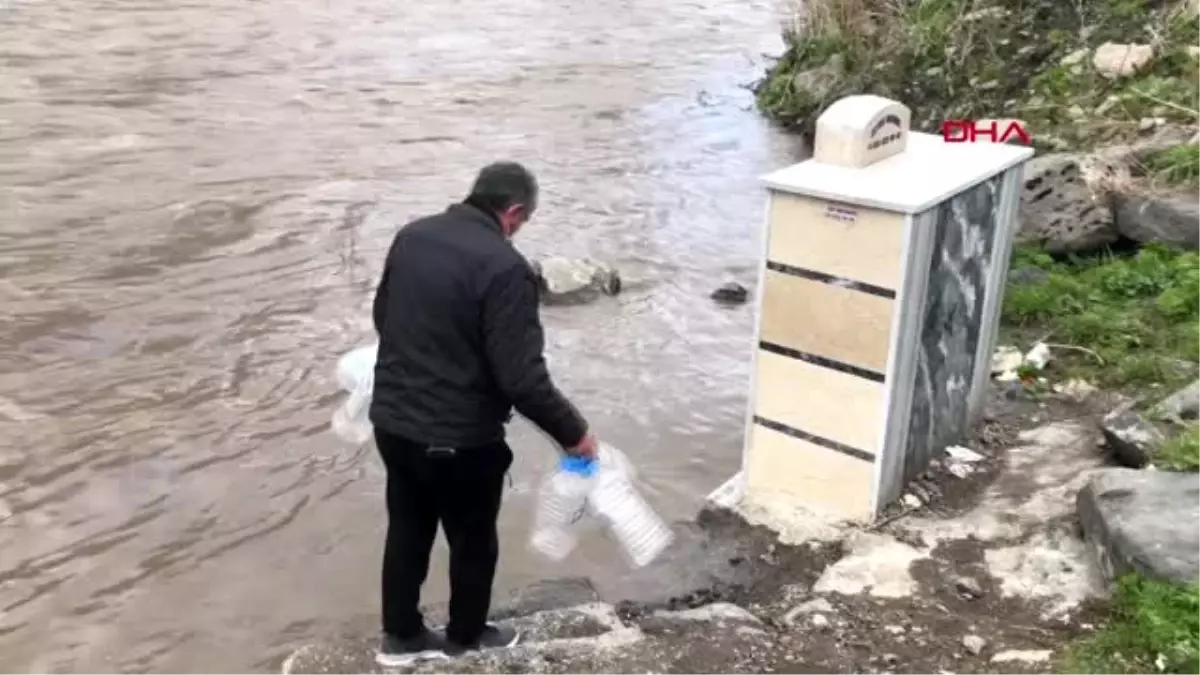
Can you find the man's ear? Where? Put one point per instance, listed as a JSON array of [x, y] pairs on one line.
[[517, 212]]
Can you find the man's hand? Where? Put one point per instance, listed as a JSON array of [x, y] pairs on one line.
[[586, 448]]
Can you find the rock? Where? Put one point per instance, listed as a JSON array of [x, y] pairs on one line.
[[912, 501], [717, 612], [875, 563], [1183, 404], [974, 644], [1076, 389], [1129, 436], [731, 293], [545, 595], [566, 281], [961, 454], [1146, 218], [811, 607], [1006, 359], [1076, 112], [819, 83], [1113, 60], [818, 621], [1060, 210], [1193, 51], [1023, 655], [1143, 521], [968, 587], [1074, 57]]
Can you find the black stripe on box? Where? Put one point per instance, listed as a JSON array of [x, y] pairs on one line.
[[830, 279], [832, 364], [815, 440]]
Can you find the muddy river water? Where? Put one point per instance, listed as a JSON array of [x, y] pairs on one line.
[[195, 198]]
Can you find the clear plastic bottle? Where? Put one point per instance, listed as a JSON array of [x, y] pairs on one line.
[[562, 501], [640, 531]]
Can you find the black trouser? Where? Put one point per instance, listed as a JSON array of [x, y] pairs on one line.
[[462, 490]]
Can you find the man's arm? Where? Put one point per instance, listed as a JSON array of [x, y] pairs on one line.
[[514, 341], [381, 297]]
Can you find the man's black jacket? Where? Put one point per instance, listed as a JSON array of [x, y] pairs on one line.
[[460, 339]]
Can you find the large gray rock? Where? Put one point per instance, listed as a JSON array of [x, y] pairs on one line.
[[1167, 219], [1113, 60], [569, 281], [1183, 404], [1060, 210], [1143, 521]]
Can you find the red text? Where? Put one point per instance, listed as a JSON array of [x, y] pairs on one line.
[[986, 131]]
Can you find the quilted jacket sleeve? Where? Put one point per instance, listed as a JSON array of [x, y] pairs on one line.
[[514, 343]]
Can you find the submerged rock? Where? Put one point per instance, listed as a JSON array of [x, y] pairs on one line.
[[568, 281], [1143, 521], [731, 293]]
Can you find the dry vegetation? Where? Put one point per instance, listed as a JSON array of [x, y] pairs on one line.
[[977, 59]]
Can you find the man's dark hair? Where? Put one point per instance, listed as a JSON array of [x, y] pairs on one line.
[[503, 184]]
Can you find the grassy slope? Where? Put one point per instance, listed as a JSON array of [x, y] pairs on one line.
[[977, 59]]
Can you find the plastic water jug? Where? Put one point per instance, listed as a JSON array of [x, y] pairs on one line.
[[641, 532], [562, 502]]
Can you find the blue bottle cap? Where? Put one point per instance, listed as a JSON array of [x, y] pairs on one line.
[[577, 465]]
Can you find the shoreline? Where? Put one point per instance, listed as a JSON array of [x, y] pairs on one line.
[[994, 559]]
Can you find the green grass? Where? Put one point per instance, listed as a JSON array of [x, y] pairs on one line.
[[975, 59], [1177, 166], [1153, 628], [1181, 452], [1132, 322]]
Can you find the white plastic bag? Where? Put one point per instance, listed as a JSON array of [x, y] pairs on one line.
[[356, 375]]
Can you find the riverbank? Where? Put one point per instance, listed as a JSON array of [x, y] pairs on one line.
[[986, 574], [1079, 75]]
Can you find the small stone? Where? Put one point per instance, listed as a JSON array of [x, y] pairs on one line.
[[1075, 389], [968, 588], [912, 501], [1076, 112], [894, 629], [818, 620], [1114, 60], [1146, 124], [1074, 57], [811, 607], [961, 454], [1193, 51], [974, 644], [731, 293], [1023, 655], [1107, 105]]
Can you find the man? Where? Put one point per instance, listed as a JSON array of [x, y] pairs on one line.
[[460, 346]]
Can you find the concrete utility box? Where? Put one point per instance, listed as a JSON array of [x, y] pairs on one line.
[[885, 257]]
